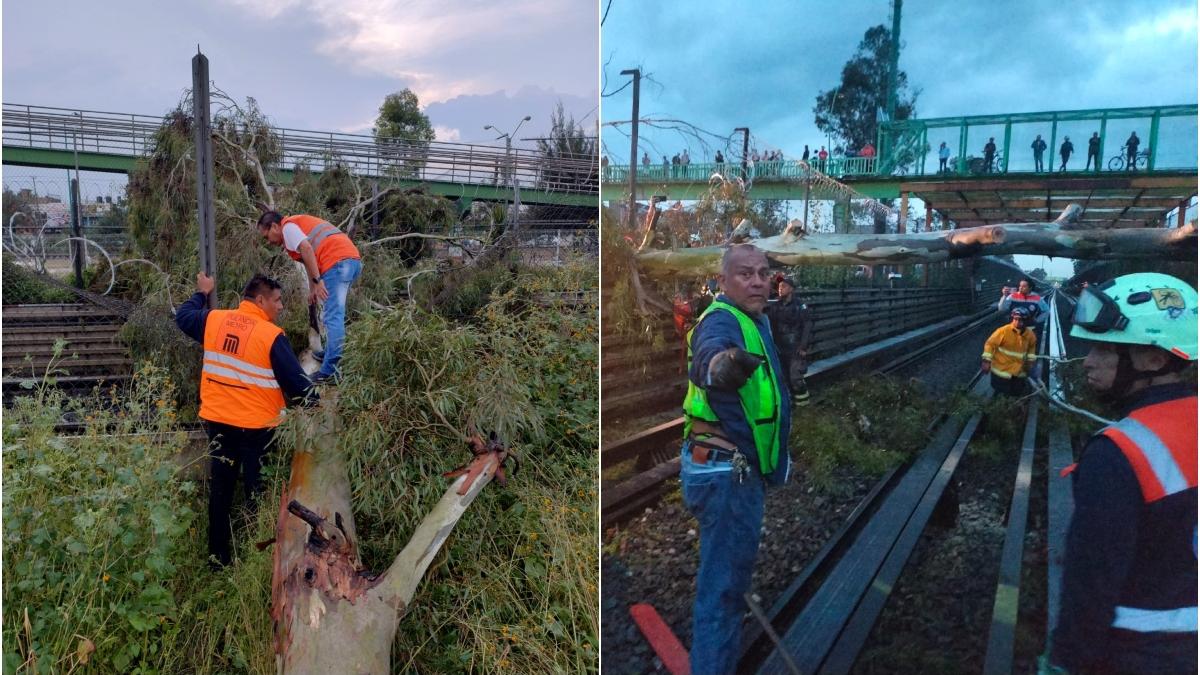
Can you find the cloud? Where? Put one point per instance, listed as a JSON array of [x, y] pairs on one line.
[[442, 51], [447, 133]]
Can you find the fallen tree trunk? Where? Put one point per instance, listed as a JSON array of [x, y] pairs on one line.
[[1056, 239], [331, 615]]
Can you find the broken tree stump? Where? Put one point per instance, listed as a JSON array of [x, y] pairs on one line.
[[331, 615]]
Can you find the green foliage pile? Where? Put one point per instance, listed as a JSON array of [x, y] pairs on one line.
[[868, 424], [162, 225], [515, 590], [104, 562], [22, 286], [104, 540]]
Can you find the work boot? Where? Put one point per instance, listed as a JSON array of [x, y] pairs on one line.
[[800, 393]]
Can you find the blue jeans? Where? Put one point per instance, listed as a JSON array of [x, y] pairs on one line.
[[333, 314], [730, 515]]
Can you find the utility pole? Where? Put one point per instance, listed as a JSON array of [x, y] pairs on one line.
[[633, 146], [894, 61], [511, 167], [745, 148], [77, 233], [205, 215]]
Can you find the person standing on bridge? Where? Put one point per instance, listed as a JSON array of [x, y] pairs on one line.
[[822, 155], [720, 159], [1131, 149], [646, 160], [989, 155], [1093, 152], [735, 442], [249, 373], [791, 326], [943, 155], [332, 262], [1039, 146], [1009, 354], [804, 157], [1129, 574], [1065, 151]]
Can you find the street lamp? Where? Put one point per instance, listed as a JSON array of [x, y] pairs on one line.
[[512, 177]]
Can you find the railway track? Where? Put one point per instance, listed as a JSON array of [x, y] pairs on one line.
[[655, 450], [830, 610], [75, 345], [827, 615]]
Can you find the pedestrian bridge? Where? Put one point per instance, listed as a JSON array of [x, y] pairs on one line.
[[43, 136], [1011, 189]]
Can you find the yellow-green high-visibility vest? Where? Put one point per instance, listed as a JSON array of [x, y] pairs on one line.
[[759, 395]]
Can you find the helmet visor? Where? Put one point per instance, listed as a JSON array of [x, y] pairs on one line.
[[1097, 313]]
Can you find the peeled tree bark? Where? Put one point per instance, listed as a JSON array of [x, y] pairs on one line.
[[1058, 239], [331, 615]]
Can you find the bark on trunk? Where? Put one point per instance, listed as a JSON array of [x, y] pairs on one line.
[[331, 615], [872, 249]]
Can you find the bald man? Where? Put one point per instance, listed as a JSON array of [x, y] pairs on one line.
[[737, 424]]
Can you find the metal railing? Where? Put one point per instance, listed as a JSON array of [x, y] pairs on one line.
[[787, 169], [130, 135]]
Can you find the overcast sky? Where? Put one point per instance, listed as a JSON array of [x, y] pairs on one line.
[[719, 65], [312, 64]]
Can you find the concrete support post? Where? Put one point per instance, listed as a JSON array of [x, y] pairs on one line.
[[76, 231], [205, 213], [1153, 142]]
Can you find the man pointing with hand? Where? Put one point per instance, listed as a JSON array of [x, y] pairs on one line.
[[737, 421]]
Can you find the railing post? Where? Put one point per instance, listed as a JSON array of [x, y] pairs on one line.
[[1052, 149], [960, 161], [1103, 131], [1153, 141], [1007, 143]]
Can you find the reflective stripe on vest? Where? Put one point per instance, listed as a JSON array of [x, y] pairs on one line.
[[320, 232], [759, 396], [317, 232], [1163, 461], [237, 384], [1181, 620]]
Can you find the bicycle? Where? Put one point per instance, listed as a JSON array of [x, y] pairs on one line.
[[978, 165], [1120, 162]]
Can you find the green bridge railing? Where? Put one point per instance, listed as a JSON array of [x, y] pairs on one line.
[[1167, 136]]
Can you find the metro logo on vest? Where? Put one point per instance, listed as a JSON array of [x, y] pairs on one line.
[[237, 384]]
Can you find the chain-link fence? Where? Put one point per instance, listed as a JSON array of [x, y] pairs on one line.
[[38, 212]]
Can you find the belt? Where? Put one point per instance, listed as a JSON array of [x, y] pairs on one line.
[[705, 446]]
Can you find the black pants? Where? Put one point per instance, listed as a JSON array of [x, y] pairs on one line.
[[787, 355], [987, 162], [1092, 157], [942, 164], [232, 448], [1015, 386], [1037, 162], [1064, 163]]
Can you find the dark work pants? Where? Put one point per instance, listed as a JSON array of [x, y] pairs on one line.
[[1092, 157], [799, 388], [1015, 386], [232, 448], [987, 162], [1064, 162], [1037, 162]]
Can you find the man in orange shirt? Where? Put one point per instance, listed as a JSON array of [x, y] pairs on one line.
[[250, 373], [333, 264]]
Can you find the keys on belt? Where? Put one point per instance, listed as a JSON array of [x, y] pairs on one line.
[[703, 452]]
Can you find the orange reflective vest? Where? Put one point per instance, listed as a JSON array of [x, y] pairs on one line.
[[1160, 443], [330, 245], [237, 384]]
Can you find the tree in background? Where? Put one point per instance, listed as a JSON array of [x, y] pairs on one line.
[[404, 131], [570, 161], [851, 111]]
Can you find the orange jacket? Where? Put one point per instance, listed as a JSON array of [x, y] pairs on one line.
[[330, 245], [237, 384]]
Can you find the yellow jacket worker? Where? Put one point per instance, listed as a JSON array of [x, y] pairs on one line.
[[1009, 354]]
